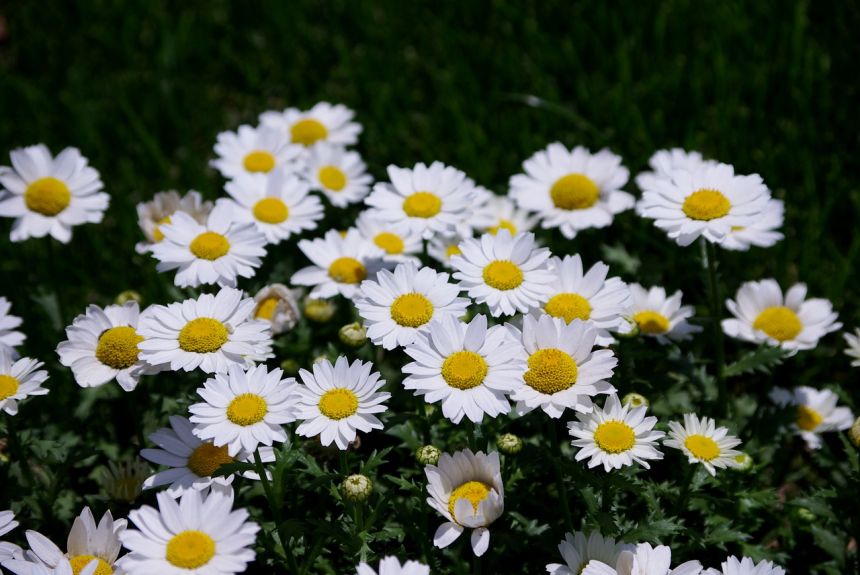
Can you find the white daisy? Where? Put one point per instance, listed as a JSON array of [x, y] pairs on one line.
[[339, 174], [19, 380], [7, 522], [152, 214], [211, 332], [392, 566], [219, 251], [615, 436], [322, 123], [572, 189], [104, 344], [815, 412], [761, 233], [257, 150], [278, 305], [469, 368], [63, 567], [10, 338], [643, 560], [48, 195], [198, 534], [666, 163], [397, 306], [500, 213], [852, 341], [466, 489], [429, 200], [396, 240], [508, 273], [578, 549], [563, 369], [338, 400], [703, 442], [443, 248], [8, 550], [746, 566], [763, 315], [660, 317], [341, 262]]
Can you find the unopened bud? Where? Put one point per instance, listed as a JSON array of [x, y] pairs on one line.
[[290, 366], [854, 432], [353, 334], [744, 462], [127, 296], [509, 444], [428, 455], [319, 310], [356, 488], [635, 400]]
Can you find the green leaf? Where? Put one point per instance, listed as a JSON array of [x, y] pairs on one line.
[[760, 360]]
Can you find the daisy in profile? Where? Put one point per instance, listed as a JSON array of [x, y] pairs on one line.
[[443, 248], [563, 371], [217, 252], [339, 174], [852, 341], [615, 436], [278, 305], [397, 306], [572, 190], [429, 200], [643, 560], [197, 534], [48, 195], [211, 332], [666, 163], [746, 566], [587, 295], [469, 368], [10, 337], [338, 400], [153, 214], [341, 263], [398, 243], [762, 233], [508, 273], [815, 412], [500, 213], [579, 550], [661, 317], [322, 123], [392, 566], [18, 380], [466, 489], [703, 442], [252, 150], [104, 345], [792, 322]]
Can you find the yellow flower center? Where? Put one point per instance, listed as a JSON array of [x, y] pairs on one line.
[[308, 131], [47, 196], [705, 205], [651, 322], [550, 371], [210, 246], [78, 563], [614, 436], [190, 550], [266, 308], [703, 448], [8, 386], [203, 335], [332, 178], [347, 270], [157, 234], [391, 243], [473, 491], [503, 225], [464, 369], [779, 322], [206, 459], [569, 306], [574, 192], [411, 310], [247, 409], [338, 403], [807, 418], [503, 275], [422, 205], [259, 161], [271, 211], [453, 250], [117, 347]]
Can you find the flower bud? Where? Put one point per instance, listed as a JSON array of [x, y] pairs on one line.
[[127, 296], [356, 488], [353, 334], [290, 366], [428, 455], [635, 400], [854, 432], [509, 444], [744, 462], [804, 515], [319, 310]]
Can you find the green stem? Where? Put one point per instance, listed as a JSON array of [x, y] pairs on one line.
[[344, 464], [685, 488], [470, 432], [709, 255], [476, 565], [559, 476], [276, 510]]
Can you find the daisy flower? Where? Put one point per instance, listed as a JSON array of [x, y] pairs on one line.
[[469, 368], [643, 560], [252, 150], [615, 436], [322, 123], [815, 412], [219, 251], [396, 240], [666, 163], [746, 566], [578, 549], [153, 214], [508, 273], [211, 332], [19, 380], [392, 566], [466, 489], [10, 338], [443, 248], [63, 567], [763, 315], [563, 370], [338, 400], [660, 317], [278, 305], [500, 213], [8, 550], [572, 190], [339, 174], [703, 442], [104, 345], [852, 340], [761, 233], [7, 522], [48, 195], [397, 306], [429, 200], [341, 262], [197, 534]]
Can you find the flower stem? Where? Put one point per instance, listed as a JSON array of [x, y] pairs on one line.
[[559, 476], [709, 257], [276, 510], [470, 431]]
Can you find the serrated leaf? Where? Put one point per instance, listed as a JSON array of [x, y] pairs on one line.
[[760, 360]]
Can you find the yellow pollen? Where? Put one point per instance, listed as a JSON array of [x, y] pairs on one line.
[[206, 459], [308, 131], [8, 386], [574, 192], [705, 205], [157, 234], [247, 409], [117, 347], [464, 369], [703, 448], [779, 322], [338, 403], [391, 243], [332, 178], [651, 322], [550, 371], [614, 437], [504, 225], [210, 246], [422, 205], [47, 196], [203, 335], [266, 308], [807, 418], [411, 310], [78, 563], [473, 491], [453, 250], [271, 211], [259, 161], [569, 306], [347, 270], [190, 550], [503, 275]]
